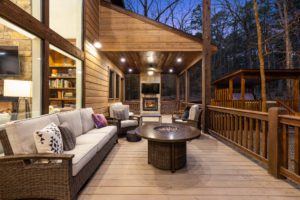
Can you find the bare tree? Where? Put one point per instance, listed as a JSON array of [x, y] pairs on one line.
[[261, 58]]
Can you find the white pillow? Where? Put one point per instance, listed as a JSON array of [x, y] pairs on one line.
[[49, 140]]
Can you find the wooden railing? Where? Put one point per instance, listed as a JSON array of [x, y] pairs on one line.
[[239, 104], [263, 136], [289, 147], [134, 106], [168, 107]]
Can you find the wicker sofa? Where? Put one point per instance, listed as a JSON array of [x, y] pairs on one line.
[[21, 176]]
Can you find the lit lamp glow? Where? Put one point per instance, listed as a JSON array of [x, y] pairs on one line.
[[16, 88], [98, 45], [150, 73], [20, 89]]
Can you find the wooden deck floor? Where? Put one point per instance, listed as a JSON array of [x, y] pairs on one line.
[[214, 171]]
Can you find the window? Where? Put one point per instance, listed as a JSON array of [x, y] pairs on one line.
[[66, 19], [65, 81], [168, 86], [111, 84], [33, 7], [20, 69], [182, 87], [195, 77], [132, 87], [117, 86]]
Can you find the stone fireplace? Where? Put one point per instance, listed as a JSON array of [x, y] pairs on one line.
[[150, 104]]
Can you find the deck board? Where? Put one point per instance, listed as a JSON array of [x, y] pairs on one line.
[[213, 171]]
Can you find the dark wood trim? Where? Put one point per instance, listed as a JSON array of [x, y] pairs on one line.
[[45, 75], [19, 17], [45, 60], [83, 67]]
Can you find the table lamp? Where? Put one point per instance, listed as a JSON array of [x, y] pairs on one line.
[[20, 89]]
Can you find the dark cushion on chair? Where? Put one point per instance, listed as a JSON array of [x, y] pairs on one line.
[[186, 113]]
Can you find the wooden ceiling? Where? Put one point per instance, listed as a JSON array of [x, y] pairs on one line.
[[141, 61]]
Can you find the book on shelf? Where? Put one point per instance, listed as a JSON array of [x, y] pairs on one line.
[[61, 83]]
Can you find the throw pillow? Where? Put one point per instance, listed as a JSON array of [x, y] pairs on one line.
[[68, 137], [126, 111], [49, 140], [120, 114], [99, 120]]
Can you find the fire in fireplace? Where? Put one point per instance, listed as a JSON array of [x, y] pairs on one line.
[[150, 104]]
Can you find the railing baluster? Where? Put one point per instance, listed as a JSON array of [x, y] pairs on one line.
[[285, 146], [236, 128], [257, 137], [231, 128], [264, 139], [250, 144], [240, 130], [245, 133], [297, 151]]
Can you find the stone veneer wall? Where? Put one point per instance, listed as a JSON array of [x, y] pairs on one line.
[[145, 78]]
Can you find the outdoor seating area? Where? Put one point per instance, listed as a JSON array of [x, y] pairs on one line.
[[149, 99]]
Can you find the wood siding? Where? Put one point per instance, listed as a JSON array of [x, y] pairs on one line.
[[121, 30], [96, 65]]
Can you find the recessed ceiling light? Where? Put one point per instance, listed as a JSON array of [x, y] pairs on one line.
[[150, 73], [2, 53], [171, 70], [130, 70], [98, 45], [179, 60], [123, 60]]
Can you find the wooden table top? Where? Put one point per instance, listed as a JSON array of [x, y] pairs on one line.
[[168, 132]]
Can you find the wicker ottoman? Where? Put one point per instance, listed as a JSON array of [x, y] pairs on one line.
[[131, 136]]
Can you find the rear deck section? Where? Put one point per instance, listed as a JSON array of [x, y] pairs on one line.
[[214, 171]]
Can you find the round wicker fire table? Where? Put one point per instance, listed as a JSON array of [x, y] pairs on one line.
[[167, 144]]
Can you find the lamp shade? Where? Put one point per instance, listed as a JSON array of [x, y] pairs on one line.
[[16, 88]]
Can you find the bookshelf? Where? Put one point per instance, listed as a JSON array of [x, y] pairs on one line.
[[62, 81]]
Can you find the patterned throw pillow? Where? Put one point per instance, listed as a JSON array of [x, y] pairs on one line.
[[68, 137], [99, 120], [49, 140], [120, 114]]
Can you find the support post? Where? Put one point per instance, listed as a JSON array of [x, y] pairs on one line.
[[177, 92], [275, 141], [296, 95], [231, 89], [243, 90], [206, 64], [186, 78]]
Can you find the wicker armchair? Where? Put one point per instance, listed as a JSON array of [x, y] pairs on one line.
[[193, 119], [123, 125]]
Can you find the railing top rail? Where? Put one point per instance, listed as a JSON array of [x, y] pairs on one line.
[[240, 112], [290, 120]]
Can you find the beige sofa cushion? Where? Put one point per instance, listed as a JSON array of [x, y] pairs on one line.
[[73, 118], [87, 145], [83, 153], [86, 119], [97, 139], [128, 123], [110, 130], [20, 133]]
